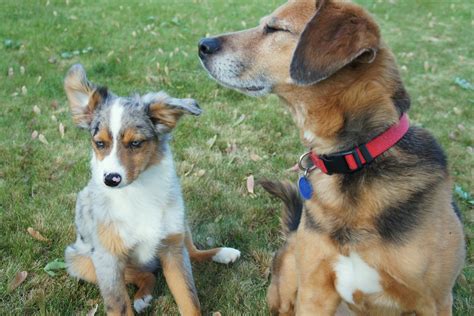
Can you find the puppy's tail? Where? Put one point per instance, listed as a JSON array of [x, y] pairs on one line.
[[290, 195]]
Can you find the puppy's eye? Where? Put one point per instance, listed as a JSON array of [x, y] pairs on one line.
[[100, 145], [271, 29], [136, 144]]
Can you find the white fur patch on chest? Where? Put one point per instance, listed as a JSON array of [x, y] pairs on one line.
[[353, 274]]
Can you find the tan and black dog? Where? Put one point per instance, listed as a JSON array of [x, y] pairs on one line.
[[379, 233]]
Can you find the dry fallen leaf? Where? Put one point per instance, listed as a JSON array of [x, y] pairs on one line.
[[250, 184], [61, 130], [201, 172], [36, 109], [187, 173], [36, 234], [211, 141], [93, 310], [54, 104], [20, 277], [231, 148], [240, 120], [34, 135], [43, 139], [255, 157]]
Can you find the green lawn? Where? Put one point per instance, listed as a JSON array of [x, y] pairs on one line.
[[141, 46]]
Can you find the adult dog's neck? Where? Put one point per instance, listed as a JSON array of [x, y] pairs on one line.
[[349, 108]]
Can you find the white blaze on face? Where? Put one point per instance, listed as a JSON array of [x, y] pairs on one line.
[[111, 163]]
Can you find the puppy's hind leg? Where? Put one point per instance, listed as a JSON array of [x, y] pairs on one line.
[[176, 266], [145, 281], [221, 255]]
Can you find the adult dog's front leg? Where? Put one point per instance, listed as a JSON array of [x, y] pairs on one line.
[[179, 277], [110, 277], [316, 292]]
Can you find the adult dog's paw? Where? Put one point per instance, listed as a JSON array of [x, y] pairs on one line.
[[142, 303], [226, 255]]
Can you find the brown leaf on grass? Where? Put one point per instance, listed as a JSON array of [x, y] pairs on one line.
[[20, 277], [54, 104], [93, 310], [43, 139], [231, 148], [250, 184], [255, 157], [34, 135], [61, 130], [36, 234]]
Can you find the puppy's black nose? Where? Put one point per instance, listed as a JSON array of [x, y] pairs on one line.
[[112, 179], [209, 46]]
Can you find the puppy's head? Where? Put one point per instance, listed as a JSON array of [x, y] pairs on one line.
[[128, 133], [302, 43]]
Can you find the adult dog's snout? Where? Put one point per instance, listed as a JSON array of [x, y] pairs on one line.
[[208, 46]]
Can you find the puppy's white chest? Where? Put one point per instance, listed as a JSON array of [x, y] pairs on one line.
[[353, 274]]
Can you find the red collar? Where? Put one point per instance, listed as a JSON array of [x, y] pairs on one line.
[[358, 157]]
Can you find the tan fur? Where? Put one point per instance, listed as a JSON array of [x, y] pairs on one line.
[[165, 115], [103, 135], [138, 159], [178, 275], [111, 240], [196, 254]]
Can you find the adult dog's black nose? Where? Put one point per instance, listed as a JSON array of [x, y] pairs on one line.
[[209, 46], [112, 179]]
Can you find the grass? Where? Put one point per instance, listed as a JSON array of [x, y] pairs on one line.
[[151, 45]]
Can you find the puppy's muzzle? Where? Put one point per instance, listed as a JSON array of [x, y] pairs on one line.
[[208, 46], [112, 179]]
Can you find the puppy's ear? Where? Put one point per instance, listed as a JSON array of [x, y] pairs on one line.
[[84, 97], [338, 34], [165, 111]]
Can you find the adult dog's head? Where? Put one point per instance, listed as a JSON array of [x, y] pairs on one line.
[[302, 43]]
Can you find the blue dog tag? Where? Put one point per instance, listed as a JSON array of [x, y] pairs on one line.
[[306, 189]]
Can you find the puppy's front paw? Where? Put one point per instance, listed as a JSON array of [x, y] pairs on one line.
[[226, 255], [142, 303]]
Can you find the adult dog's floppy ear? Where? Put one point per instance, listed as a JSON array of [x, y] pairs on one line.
[[165, 111], [84, 97], [338, 34]]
